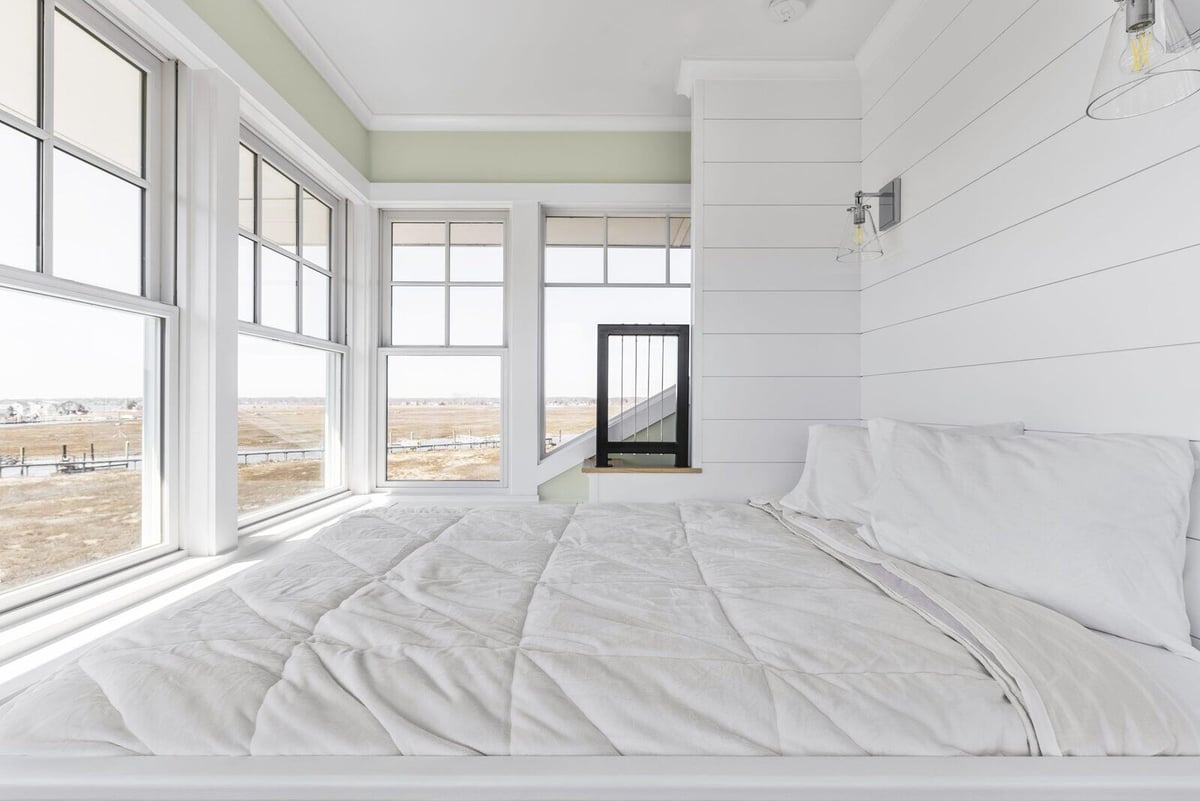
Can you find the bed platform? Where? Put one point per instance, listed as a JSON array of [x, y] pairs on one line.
[[698, 650]]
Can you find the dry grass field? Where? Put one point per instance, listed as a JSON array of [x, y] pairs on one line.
[[53, 523]]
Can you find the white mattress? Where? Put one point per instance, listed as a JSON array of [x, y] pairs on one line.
[[601, 629]]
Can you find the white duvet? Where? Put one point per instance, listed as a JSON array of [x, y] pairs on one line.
[[601, 629]]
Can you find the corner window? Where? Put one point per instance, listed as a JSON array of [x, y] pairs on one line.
[[443, 361], [618, 268], [86, 315], [291, 351]]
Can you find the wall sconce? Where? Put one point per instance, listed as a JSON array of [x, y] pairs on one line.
[[860, 237], [1150, 61]]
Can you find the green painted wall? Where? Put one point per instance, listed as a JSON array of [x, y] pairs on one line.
[[499, 156], [442, 156], [568, 487], [249, 30]]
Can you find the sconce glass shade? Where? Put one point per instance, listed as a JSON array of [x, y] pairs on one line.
[[860, 240], [1144, 70]]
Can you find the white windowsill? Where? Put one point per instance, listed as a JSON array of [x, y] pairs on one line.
[[37, 638]]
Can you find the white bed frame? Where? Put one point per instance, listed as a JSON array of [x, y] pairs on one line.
[[599, 778]]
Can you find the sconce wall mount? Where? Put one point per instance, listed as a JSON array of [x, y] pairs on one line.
[[860, 239]]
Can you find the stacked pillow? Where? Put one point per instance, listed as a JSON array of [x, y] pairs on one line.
[[1091, 526]]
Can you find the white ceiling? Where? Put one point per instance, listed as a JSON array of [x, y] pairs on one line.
[[489, 63]]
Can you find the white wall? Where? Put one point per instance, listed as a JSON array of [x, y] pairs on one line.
[[1048, 265], [775, 162]]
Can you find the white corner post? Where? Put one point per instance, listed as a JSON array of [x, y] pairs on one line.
[[524, 299], [209, 122]]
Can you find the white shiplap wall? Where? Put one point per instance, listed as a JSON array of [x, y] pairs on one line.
[[775, 163], [1047, 268]]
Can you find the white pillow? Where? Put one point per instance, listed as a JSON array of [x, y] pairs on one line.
[[839, 471], [1091, 526]]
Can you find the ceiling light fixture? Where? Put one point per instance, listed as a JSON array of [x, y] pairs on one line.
[[786, 10], [860, 237], [1149, 61]]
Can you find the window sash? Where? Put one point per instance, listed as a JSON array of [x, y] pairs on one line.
[[335, 271]]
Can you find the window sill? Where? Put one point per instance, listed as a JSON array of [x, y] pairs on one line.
[[38, 638]]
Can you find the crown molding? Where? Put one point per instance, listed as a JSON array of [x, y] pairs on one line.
[[295, 30], [693, 70], [528, 122], [890, 27]]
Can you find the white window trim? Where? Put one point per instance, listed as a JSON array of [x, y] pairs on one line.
[[383, 333], [161, 422]]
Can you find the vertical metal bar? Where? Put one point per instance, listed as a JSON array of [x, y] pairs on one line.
[[602, 394], [662, 383], [682, 402]]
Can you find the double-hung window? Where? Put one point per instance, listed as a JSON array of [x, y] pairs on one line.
[[443, 359], [291, 345], [597, 268], [87, 316]]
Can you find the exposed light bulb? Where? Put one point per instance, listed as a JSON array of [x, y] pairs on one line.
[[1143, 51], [860, 235]]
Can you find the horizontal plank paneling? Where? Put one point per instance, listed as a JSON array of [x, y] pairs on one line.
[[782, 100], [781, 399], [781, 140], [1151, 211], [781, 354], [757, 440], [968, 36], [1142, 391], [777, 269], [929, 21], [773, 226], [1144, 304], [973, 115], [719, 482], [781, 312], [749, 184]]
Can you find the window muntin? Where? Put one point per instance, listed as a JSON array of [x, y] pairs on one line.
[[288, 421], [81, 149], [291, 360], [288, 280], [442, 384], [619, 268]]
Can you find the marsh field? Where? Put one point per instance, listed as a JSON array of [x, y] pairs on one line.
[[53, 521]]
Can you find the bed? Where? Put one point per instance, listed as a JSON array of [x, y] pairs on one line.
[[696, 629]]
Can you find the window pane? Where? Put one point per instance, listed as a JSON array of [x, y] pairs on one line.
[[317, 226], [571, 317], [316, 303], [418, 315], [681, 232], [19, 34], [418, 251], [681, 265], [476, 315], [444, 418], [477, 252], [279, 208], [18, 200], [97, 226], [245, 279], [283, 400], [574, 265], [278, 291], [97, 96], [574, 230], [637, 252], [246, 179], [71, 436]]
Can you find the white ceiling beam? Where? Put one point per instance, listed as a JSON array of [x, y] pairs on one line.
[[529, 122]]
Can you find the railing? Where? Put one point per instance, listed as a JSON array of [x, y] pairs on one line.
[[646, 380]]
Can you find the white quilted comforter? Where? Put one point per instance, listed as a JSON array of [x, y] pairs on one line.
[[691, 629]]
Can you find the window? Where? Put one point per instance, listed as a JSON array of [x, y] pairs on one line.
[[628, 268], [291, 354], [85, 317], [444, 357]]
